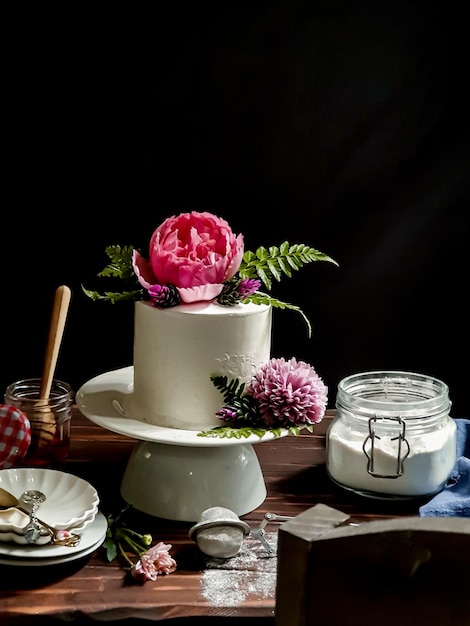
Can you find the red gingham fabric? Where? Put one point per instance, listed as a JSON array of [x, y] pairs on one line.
[[15, 435]]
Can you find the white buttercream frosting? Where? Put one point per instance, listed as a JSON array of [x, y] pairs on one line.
[[178, 349]]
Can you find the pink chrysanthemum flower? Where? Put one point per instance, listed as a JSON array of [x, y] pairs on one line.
[[289, 393], [155, 561]]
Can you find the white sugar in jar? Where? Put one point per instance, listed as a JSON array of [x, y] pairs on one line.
[[392, 436]]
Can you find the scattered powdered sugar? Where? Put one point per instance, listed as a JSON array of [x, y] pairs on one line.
[[223, 588], [229, 582]]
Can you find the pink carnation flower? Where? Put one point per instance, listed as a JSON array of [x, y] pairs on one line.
[[289, 393], [156, 560]]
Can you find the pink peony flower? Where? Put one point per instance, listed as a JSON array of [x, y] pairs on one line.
[[155, 561], [195, 252], [288, 393]]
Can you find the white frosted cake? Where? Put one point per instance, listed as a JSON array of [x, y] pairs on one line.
[[178, 349], [200, 315]]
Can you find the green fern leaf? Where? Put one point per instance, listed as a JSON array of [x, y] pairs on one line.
[[227, 432], [262, 253], [273, 263], [111, 296], [284, 266], [293, 262], [264, 276], [120, 265], [263, 298], [248, 257], [231, 390], [274, 267], [284, 248]]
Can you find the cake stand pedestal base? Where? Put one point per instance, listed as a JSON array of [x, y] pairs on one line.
[[180, 482], [176, 474]]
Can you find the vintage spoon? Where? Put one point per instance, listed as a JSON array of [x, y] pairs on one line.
[[32, 531], [58, 537]]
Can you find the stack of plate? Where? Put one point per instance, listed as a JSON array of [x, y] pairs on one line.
[[71, 504]]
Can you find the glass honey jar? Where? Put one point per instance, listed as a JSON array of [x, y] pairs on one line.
[[49, 419]]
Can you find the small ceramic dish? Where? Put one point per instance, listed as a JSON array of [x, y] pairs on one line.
[[13, 524], [70, 501], [12, 528]]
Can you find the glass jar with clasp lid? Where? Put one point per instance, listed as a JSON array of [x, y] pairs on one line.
[[392, 436]]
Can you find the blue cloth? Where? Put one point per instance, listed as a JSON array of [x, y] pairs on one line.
[[454, 499]]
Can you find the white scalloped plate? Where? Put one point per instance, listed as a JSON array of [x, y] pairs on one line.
[[86, 522], [70, 500], [22, 556], [13, 524]]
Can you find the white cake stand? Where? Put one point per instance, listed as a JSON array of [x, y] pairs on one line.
[[172, 473]]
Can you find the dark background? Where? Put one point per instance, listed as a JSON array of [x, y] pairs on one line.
[[339, 124]]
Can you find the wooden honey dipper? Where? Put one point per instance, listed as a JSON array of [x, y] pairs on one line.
[[43, 420]]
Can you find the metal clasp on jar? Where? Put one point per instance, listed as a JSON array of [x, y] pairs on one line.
[[402, 448]]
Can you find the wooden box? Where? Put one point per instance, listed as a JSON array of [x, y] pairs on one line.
[[400, 572]]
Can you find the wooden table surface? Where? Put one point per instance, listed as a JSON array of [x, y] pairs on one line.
[[242, 589]]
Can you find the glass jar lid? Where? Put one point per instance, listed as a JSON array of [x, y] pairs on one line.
[[390, 393]]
